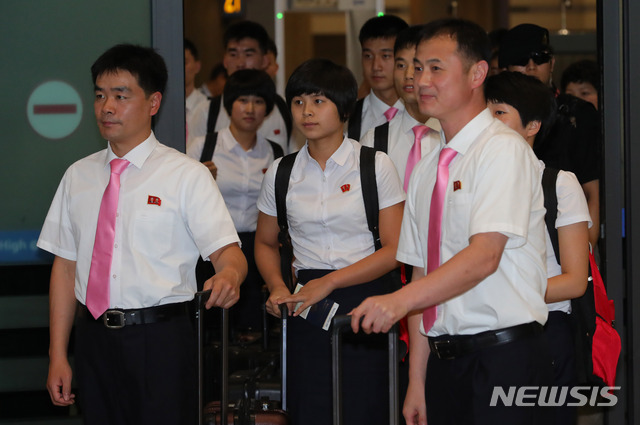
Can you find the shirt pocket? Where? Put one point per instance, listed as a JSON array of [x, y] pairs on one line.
[[153, 232], [455, 219]]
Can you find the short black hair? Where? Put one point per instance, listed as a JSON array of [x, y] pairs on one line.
[[584, 71], [247, 29], [473, 41], [218, 69], [190, 46], [144, 63], [407, 38], [385, 26], [529, 96], [324, 77], [271, 47], [249, 82]]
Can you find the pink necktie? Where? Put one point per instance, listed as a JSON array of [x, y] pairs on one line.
[[98, 286], [435, 225], [415, 153], [390, 113]]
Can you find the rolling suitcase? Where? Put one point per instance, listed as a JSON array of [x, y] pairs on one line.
[[244, 411], [341, 324]]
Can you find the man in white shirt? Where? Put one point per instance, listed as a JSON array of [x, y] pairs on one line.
[[489, 277], [399, 134], [192, 67], [246, 45], [136, 361], [377, 37]]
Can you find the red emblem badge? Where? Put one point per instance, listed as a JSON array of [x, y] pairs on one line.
[[276, 131], [154, 200], [457, 185], [345, 187], [264, 170]]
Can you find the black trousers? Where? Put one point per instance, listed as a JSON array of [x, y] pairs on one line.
[[365, 359], [559, 335], [458, 391], [141, 374], [247, 313]]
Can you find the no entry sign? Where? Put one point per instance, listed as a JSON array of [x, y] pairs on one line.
[[54, 109]]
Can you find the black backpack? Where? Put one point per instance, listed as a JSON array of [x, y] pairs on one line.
[[369, 195], [583, 309], [211, 140]]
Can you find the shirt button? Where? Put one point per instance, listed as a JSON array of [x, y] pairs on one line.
[[115, 246], [114, 276]]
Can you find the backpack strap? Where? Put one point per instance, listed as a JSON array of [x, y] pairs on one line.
[[370, 191], [209, 146], [283, 175], [355, 121], [285, 112], [381, 137], [549, 178], [214, 110], [278, 152]]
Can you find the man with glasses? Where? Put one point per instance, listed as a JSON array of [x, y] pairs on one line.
[[574, 142]]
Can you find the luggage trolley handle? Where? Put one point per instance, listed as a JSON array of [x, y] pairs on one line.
[[341, 324], [284, 313], [201, 299]]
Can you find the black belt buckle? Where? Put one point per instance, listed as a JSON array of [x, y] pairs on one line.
[[113, 319], [444, 349]]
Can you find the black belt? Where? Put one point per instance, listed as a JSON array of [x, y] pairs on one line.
[[117, 318], [448, 347]]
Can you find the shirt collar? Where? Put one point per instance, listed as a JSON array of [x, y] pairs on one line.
[[339, 157], [469, 133], [138, 155], [230, 143]]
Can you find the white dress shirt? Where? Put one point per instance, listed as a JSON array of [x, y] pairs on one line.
[[240, 175], [401, 139], [325, 209], [169, 211], [494, 186], [192, 102], [373, 110], [572, 208]]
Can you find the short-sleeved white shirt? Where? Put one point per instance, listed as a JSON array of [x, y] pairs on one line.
[[401, 139], [169, 211], [373, 110], [572, 208], [494, 186], [192, 102], [273, 127], [240, 175], [325, 209]]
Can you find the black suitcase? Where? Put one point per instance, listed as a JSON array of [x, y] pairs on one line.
[[244, 411], [339, 325]]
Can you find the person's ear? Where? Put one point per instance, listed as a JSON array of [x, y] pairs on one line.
[[156, 99], [532, 128], [478, 73]]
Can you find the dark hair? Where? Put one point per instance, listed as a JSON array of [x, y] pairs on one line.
[[271, 47], [385, 26], [247, 29], [472, 39], [190, 46], [144, 63], [249, 82], [218, 69], [529, 96], [584, 71], [407, 38], [323, 77]]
